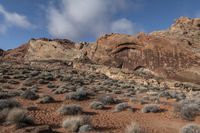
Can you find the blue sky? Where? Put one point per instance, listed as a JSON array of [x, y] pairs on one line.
[[85, 20]]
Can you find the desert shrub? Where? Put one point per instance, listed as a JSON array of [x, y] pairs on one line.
[[188, 109], [80, 94], [96, 105], [107, 100], [33, 88], [43, 81], [3, 114], [188, 112], [34, 73], [51, 85], [151, 108], [172, 95], [121, 107], [72, 109], [6, 77], [74, 123], [133, 128], [59, 90], [191, 128], [25, 71], [20, 77], [3, 81], [8, 104], [46, 99], [29, 82], [19, 117], [30, 95], [8, 94], [13, 82], [49, 77], [85, 128]]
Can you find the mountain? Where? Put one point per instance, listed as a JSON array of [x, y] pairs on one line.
[[172, 53]]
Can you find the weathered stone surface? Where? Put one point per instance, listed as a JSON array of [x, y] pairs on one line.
[[174, 52], [44, 49], [169, 52]]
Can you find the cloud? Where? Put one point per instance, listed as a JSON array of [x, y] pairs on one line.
[[13, 19], [79, 19], [123, 26]]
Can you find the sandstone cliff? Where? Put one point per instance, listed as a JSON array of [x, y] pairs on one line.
[[173, 53]]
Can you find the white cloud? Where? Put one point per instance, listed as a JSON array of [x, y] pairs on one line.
[[79, 19], [13, 19], [123, 26]]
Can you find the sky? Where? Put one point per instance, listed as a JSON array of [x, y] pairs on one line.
[[86, 20]]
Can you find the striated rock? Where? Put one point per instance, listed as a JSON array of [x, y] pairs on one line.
[[172, 53], [16, 55], [185, 30], [148, 51], [45, 49]]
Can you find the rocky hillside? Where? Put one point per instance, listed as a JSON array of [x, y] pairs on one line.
[[173, 53]]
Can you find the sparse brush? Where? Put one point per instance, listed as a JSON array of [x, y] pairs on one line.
[[46, 99], [151, 108], [80, 94], [3, 114], [190, 128], [74, 123], [188, 112], [70, 109], [121, 107], [96, 105], [19, 117], [188, 109], [30, 95], [7, 103], [134, 128], [107, 100]]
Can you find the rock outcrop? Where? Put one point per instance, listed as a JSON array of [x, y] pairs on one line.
[[173, 53], [45, 49]]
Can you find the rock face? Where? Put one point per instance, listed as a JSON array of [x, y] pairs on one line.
[[45, 49], [185, 30], [174, 52]]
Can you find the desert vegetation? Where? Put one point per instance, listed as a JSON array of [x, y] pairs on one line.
[[76, 100]]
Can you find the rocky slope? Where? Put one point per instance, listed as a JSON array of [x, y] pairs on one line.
[[173, 53], [45, 49]]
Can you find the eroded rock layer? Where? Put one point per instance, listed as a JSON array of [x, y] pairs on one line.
[[174, 52]]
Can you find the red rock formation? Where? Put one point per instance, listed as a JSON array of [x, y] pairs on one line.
[[174, 52], [169, 52]]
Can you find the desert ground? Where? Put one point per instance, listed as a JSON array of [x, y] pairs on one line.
[[109, 105]]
